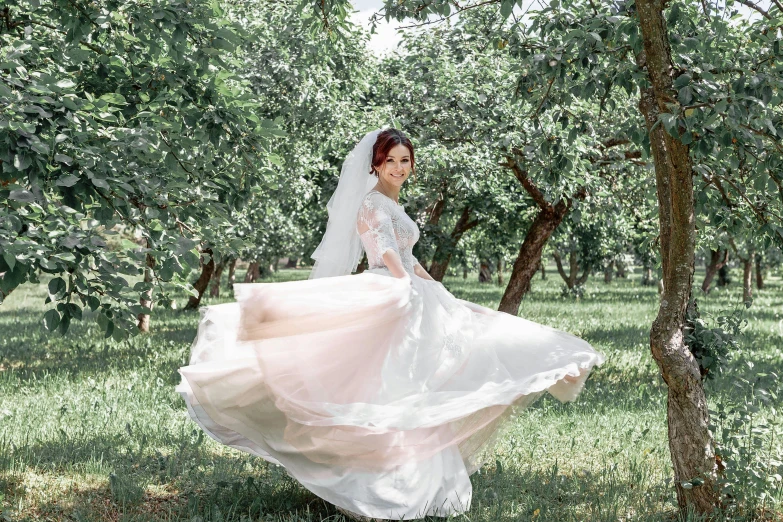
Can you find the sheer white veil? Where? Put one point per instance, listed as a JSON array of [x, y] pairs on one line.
[[341, 249]]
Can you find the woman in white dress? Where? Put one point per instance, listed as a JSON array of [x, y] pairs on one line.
[[379, 392]]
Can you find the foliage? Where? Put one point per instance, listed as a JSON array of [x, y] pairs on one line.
[[747, 446], [449, 95], [713, 346], [749, 463], [316, 89], [120, 113], [493, 148], [576, 292], [722, 125]]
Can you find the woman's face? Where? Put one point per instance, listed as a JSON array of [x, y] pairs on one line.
[[397, 167]]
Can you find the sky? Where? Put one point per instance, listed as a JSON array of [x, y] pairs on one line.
[[386, 36]]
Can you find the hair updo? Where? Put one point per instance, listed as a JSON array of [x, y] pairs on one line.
[[386, 141]]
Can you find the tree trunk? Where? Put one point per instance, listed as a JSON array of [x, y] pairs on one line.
[[561, 270], [252, 273], [500, 271], [529, 256], [583, 278], [292, 261], [362, 266], [434, 211], [146, 298], [214, 291], [690, 441], [437, 211], [759, 273], [207, 269], [718, 259], [723, 276], [621, 271], [571, 279], [608, 272], [232, 265], [464, 272], [548, 218], [747, 277], [647, 276], [442, 256], [543, 269], [485, 273]]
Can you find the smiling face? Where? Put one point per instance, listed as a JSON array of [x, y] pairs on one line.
[[397, 166]]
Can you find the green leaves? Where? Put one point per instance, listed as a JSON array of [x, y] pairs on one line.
[[120, 118], [51, 320], [113, 98], [24, 196], [670, 124], [57, 288], [506, 7], [10, 260], [68, 180]]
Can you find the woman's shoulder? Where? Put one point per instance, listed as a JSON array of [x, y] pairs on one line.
[[374, 199]]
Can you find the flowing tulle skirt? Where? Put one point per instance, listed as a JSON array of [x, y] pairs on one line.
[[379, 395]]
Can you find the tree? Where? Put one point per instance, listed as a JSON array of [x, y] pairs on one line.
[[317, 89], [456, 90], [718, 259], [438, 90], [689, 437], [130, 115]]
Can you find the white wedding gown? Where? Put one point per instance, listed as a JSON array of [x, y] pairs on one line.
[[377, 394]]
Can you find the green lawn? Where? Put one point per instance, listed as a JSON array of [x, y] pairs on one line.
[[91, 429]]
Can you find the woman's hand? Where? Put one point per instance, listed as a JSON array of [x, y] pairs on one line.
[[393, 262], [419, 271]]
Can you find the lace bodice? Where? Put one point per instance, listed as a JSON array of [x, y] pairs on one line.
[[383, 225]]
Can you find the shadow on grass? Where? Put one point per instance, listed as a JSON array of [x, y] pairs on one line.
[[499, 495], [33, 353]]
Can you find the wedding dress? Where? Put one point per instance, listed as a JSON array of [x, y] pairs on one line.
[[380, 395]]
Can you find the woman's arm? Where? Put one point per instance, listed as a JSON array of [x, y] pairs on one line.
[[393, 262], [419, 271]]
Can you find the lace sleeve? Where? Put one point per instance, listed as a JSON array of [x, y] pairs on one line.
[[374, 225]]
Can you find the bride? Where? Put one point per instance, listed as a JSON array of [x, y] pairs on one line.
[[379, 392]]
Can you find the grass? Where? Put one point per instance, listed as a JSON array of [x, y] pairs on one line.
[[92, 430]]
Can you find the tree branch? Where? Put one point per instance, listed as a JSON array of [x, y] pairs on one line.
[[528, 185], [758, 212], [758, 8], [82, 42], [774, 140], [443, 18], [717, 184], [171, 151], [613, 142], [111, 204], [546, 95], [706, 10], [180, 224], [470, 225], [559, 264]]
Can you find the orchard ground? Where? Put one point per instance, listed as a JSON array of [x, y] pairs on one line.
[[92, 430]]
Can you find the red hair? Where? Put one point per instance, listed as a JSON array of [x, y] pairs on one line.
[[386, 141]]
